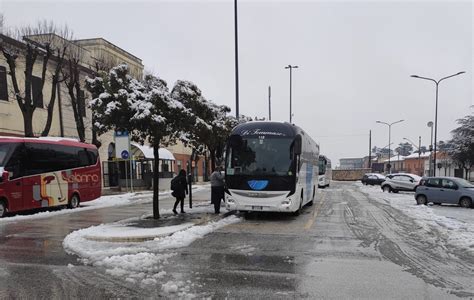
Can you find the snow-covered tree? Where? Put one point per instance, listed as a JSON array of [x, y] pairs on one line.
[[221, 127], [196, 133], [145, 109], [462, 149], [404, 149]]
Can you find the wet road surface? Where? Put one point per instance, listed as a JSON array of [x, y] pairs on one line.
[[34, 265], [344, 246]]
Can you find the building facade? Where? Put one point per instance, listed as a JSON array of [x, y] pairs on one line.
[[93, 54]]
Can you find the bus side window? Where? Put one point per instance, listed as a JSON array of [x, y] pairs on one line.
[[40, 158], [14, 164], [83, 158], [92, 156]]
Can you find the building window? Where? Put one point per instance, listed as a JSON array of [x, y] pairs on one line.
[[81, 103], [3, 84], [37, 91]]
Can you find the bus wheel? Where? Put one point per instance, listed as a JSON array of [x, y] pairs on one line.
[[297, 212], [74, 201], [3, 208]]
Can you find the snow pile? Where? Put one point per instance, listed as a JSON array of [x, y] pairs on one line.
[[104, 201], [140, 262], [455, 224]]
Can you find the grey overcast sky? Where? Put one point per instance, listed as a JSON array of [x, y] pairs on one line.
[[355, 58]]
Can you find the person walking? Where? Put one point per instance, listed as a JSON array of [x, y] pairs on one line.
[[217, 189], [179, 185]]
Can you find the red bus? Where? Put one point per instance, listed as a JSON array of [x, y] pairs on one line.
[[46, 172]]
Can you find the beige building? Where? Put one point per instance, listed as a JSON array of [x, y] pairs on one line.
[[92, 53]]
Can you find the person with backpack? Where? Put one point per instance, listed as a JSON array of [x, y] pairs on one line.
[[179, 186]]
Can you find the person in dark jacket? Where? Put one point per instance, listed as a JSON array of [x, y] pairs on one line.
[[180, 191], [217, 189]]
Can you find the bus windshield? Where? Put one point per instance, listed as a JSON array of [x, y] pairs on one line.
[[260, 156], [322, 166], [5, 152]]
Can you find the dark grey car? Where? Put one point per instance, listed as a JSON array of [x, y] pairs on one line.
[[445, 190]]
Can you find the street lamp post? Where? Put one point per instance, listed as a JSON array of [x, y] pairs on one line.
[[236, 37], [430, 124], [389, 139], [436, 110], [291, 68]]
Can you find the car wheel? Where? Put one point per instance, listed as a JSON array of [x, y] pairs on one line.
[[74, 201], [421, 200], [465, 202], [3, 208], [386, 188]]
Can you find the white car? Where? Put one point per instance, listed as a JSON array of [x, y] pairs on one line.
[[400, 182]]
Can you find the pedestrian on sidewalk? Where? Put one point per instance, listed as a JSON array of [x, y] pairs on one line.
[[179, 185], [217, 189]]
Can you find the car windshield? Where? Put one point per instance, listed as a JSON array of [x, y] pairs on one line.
[[464, 183]]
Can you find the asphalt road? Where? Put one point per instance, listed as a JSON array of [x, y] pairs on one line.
[[344, 246]]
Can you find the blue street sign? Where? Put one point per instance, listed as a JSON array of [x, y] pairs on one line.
[[121, 133], [124, 154]]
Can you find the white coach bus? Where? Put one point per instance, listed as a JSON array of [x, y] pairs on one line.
[[325, 172], [270, 166]]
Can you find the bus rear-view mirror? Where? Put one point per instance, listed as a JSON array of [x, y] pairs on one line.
[[297, 145]]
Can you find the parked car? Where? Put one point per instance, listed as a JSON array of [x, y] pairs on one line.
[[445, 190], [400, 182], [373, 179]]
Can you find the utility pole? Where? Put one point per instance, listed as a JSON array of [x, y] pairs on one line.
[[269, 103], [370, 149], [291, 69]]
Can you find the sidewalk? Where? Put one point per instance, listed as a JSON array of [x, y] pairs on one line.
[[115, 191], [147, 228]]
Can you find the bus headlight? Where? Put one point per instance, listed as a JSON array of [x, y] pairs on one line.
[[286, 202], [230, 200]]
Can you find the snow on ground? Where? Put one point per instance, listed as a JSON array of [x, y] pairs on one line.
[[104, 201], [456, 224], [140, 262]]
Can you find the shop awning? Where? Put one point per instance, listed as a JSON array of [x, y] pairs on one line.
[[146, 151]]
